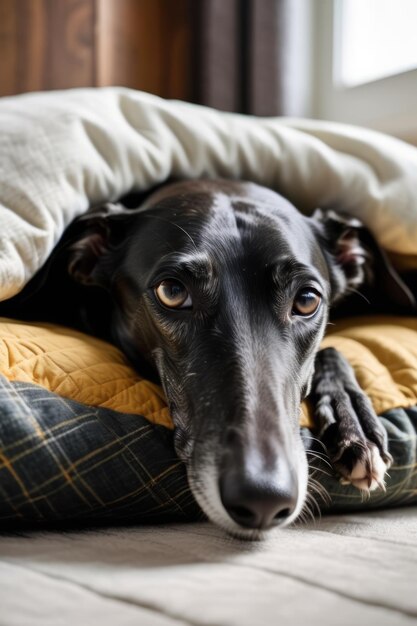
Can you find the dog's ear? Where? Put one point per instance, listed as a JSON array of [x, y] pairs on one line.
[[341, 241], [94, 240], [357, 259]]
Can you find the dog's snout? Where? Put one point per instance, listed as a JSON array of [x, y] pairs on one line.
[[258, 500]]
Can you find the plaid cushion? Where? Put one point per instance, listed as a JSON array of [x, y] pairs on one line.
[[62, 460]]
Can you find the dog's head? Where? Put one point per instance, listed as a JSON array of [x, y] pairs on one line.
[[224, 289]]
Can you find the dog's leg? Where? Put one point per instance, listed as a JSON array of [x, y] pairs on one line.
[[354, 437]]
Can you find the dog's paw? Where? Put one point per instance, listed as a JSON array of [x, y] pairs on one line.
[[353, 435], [361, 464]]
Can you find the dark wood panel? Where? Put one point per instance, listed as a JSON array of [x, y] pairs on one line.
[[8, 48], [71, 43], [46, 44], [56, 44], [146, 44]]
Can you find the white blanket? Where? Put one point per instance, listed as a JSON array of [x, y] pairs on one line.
[[60, 152], [355, 570]]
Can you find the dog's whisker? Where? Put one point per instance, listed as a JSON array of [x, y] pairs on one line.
[[312, 438], [320, 458], [307, 514], [319, 489], [323, 495], [322, 471], [163, 219], [359, 293]]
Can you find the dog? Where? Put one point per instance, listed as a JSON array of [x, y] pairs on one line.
[[221, 291]]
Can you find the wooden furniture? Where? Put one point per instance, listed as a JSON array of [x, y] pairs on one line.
[[57, 44]]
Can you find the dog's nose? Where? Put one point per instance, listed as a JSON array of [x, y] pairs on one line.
[[258, 501]]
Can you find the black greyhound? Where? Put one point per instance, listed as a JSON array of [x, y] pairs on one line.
[[221, 291]]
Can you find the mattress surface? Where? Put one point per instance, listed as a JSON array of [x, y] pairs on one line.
[[342, 570]]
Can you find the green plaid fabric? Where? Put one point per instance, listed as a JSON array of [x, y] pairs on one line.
[[61, 460]]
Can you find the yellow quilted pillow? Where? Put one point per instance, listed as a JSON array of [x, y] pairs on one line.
[[79, 367], [383, 352]]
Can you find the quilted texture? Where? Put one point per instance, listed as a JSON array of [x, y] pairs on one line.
[[382, 350], [79, 367]]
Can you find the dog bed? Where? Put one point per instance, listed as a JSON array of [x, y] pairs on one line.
[[82, 437]]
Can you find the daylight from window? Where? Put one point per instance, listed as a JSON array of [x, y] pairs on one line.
[[374, 39]]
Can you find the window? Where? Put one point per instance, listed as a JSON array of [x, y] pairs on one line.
[[374, 39], [365, 64]]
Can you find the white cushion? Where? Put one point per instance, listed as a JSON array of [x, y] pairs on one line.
[[62, 151]]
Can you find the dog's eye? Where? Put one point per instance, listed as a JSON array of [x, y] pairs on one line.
[[306, 302], [173, 294]]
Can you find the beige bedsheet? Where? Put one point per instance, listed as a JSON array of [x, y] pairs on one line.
[[62, 151], [344, 570]]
